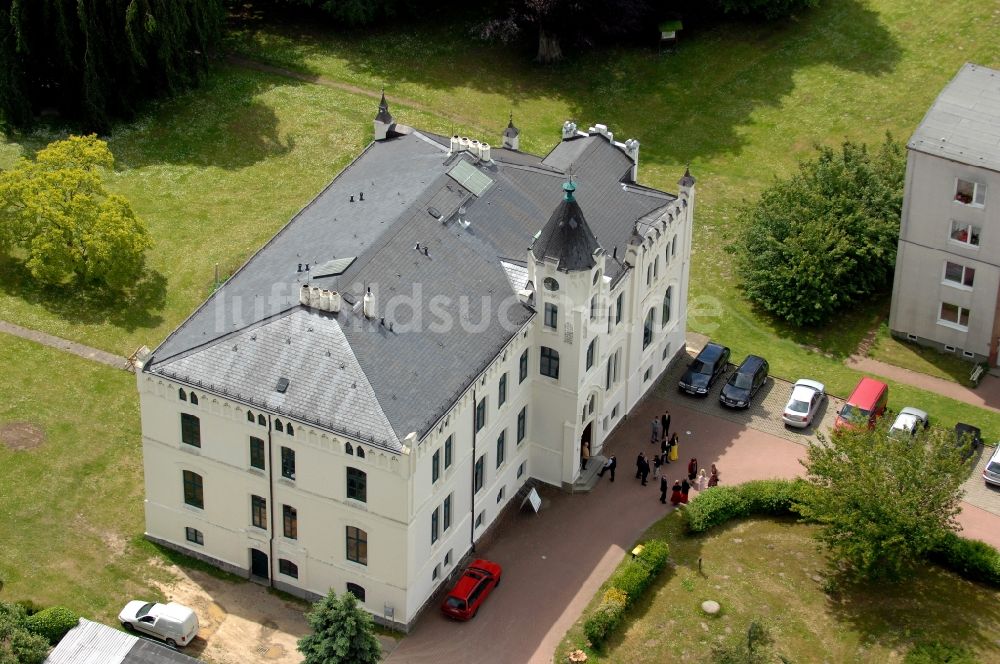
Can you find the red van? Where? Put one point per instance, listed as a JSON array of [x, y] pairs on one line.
[[866, 404], [463, 602]]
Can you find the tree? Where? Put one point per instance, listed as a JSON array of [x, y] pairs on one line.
[[754, 648], [882, 502], [769, 9], [364, 12], [55, 209], [343, 633], [826, 237], [17, 644], [96, 60]]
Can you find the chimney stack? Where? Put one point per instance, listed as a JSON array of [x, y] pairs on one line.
[[368, 305]]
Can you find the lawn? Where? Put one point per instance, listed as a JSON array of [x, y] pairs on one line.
[[72, 505], [771, 570]]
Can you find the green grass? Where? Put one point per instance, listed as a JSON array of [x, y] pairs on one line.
[[771, 570], [920, 358], [72, 516]]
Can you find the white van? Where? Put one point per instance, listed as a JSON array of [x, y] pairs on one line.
[[174, 623]]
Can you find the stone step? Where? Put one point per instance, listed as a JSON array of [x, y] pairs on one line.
[[588, 478]]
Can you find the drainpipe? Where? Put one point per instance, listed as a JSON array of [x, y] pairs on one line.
[[472, 531], [270, 502]]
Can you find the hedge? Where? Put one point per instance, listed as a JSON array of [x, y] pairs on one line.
[[52, 623], [970, 559], [627, 584], [720, 504]]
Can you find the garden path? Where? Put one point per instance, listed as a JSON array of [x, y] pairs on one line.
[[73, 347]]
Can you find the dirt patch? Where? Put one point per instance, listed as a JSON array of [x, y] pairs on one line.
[[21, 435]]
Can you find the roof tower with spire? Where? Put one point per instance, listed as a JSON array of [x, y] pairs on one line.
[[566, 237]]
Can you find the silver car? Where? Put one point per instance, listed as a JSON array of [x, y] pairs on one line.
[[807, 396], [909, 421], [992, 471]]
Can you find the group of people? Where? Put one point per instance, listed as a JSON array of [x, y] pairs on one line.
[[697, 479]]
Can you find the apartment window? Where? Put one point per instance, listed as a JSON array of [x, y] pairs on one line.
[[288, 568], [256, 453], [290, 520], [500, 495], [194, 535], [258, 512], [590, 353], [619, 308], [479, 519], [357, 545], [193, 490], [970, 193], [502, 398], [434, 525], [436, 573], [649, 274], [954, 314], [959, 274], [446, 514], [614, 411], [181, 394], [357, 485], [965, 233], [520, 470], [666, 306], [522, 424], [480, 414], [194, 399], [646, 376], [523, 367], [448, 444], [593, 308], [261, 420], [435, 466], [647, 329], [357, 591], [479, 476], [501, 447], [549, 363], [190, 430], [447, 558], [551, 315], [288, 463]]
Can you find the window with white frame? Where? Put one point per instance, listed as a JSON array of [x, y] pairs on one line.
[[591, 350], [958, 274], [619, 308], [647, 329], [551, 315], [955, 315], [666, 306], [673, 246], [549, 362], [593, 308], [964, 233], [649, 274], [968, 192]]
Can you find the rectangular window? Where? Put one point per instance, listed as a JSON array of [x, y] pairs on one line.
[[500, 495], [357, 485], [549, 363], [288, 463], [480, 414], [258, 512], [502, 399], [446, 513], [959, 274], [649, 274], [434, 525], [501, 447], [194, 494], [954, 314], [256, 453], [607, 378], [590, 353], [673, 246], [551, 315], [447, 558], [619, 308], [288, 568], [522, 424], [646, 376], [523, 367], [479, 477], [614, 411], [290, 519], [593, 308], [479, 519], [970, 193], [435, 466], [194, 535], [520, 470], [190, 430], [357, 545], [436, 573], [965, 233], [647, 330], [448, 444]]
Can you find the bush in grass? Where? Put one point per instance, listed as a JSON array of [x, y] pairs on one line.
[[970, 559], [606, 617], [52, 623], [654, 556], [939, 653], [723, 503], [17, 644], [632, 578]]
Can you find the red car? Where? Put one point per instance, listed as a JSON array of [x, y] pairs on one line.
[[476, 582]]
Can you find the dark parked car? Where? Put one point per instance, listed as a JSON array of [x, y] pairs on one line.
[[744, 383], [471, 590], [968, 438], [706, 368]]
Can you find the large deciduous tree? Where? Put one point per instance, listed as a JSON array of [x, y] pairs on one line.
[[826, 237], [94, 60], [55, 211], [343, 633], [882, 502]]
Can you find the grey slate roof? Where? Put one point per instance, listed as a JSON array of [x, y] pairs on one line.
[[94, 643], [963, 124], [406, 377], [567, 238]]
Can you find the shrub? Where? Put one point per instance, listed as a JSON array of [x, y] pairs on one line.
[[52, 623], [724, 503], [632, 578], [606, 617], [939, 653], [654, 556], [970, 559], [29, 606], [17, 644]]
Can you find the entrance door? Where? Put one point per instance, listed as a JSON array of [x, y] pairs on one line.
[[258, 563], [585, 440]]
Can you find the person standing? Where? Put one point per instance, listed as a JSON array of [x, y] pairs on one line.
[[657, 460], [675, 493], [692, 469], [685, 490], [714, 471], [654, 434], [584, 456], [714, 479], [638, 465], [645, 470], [674, 448], [702, 481], [665, 424], [609, 465], [663, 489]]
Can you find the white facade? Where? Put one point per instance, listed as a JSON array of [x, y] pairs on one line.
[[403, 566]]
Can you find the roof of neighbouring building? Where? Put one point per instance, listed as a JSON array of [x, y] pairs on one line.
[[94, 643], [380, 379], [963, 124]]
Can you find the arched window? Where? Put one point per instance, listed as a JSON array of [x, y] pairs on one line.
[[278, 426], [666, 305], [249, 416], [261, 420], [649, 274], [656, 267], [647, 329], [592, 404], [673, 244], [194, 399], [289, 430], [549, 364], [361, 452], [357, 485], [182, 395], [666, 256], [348, 448], [357, 591]]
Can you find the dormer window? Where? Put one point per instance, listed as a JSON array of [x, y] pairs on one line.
[[970, 193], [550, 284]]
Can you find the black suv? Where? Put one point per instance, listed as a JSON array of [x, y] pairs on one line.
[[744, 383], [968, 438], [708, 366]]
